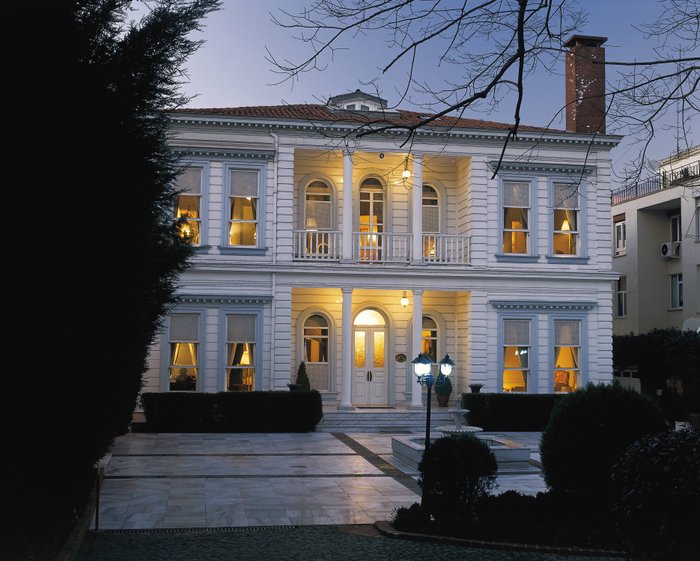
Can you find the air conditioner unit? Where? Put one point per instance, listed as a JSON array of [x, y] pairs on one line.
[[671, 250]]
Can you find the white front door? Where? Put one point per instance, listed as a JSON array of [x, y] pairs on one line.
[[370, 380]]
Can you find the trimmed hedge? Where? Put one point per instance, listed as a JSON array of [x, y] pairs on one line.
[[272, 411], [510, 411]]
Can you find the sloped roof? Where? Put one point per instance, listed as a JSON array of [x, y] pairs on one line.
[[317, 112]]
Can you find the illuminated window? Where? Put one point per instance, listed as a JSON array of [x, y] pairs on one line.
[[429, 338], [240, 352], [567, 347], [566, 210], [318, 218], [243, 202], [621, 297], [516, 211], [370, 243], [620, 235], [516, 355], [189, 202], [184, 341], [316, 337], [676, 291], [431, 219]]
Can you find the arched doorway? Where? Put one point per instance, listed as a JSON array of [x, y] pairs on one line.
[[370, 379]]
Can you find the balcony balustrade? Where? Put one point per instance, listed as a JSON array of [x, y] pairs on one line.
[[380, 247]]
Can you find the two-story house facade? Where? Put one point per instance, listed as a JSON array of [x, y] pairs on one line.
[[656, 245], [353, 253]]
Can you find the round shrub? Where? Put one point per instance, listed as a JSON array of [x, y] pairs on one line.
[[456, 472], [411, 519], [588, 431], [656, 493]]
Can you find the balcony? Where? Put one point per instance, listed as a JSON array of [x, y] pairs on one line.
[[380, 247]]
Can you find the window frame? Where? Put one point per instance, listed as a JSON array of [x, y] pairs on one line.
[[620, 235], [676, 229], [581, 256], [621, 297], [257, 364], [259, 247], [582, 318], [203, 199], [165, 342], [676, 291], [530, 237], [531, 382], [301, 331]]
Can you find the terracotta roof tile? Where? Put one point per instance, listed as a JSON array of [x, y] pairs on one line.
[[312, 112]]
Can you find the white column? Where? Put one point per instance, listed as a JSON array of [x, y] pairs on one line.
[[346, 390], [417, 208], [347, 206], [416, 388]]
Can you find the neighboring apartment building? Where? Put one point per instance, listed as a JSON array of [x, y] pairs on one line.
[[354, 254], [656, 243]]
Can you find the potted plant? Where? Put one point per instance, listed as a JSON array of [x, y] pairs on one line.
[[476, 387], [443, 389]]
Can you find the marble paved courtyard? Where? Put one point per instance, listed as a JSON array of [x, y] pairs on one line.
[[176, 480]]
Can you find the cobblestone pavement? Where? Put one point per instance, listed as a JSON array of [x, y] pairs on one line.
[[308, 543]]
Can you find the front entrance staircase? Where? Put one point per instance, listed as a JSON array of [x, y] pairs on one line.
[[395, 420]]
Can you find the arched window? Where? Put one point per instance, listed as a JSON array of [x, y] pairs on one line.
[[429, 338], [318, 206], [431, 221], [371, 220], [316, 349]]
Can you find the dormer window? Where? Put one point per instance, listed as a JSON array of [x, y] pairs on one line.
[[359, 101], [364, 107], [351, 107]]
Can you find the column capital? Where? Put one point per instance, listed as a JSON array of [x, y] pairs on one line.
[[346, 290]]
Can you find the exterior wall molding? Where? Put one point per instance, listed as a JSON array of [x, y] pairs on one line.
[[343, 130], [210, 299], [218, 153], [535, 305], [532, 167]]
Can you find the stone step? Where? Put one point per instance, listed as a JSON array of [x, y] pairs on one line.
[[385, 420]]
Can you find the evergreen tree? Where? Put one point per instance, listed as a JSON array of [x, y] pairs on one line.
[[92, 251]]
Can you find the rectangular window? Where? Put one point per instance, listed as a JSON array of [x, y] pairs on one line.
[[567, 349], [240, 352], [676, 228], [621, 294], [189, 203], [516, 355], [620, 234], [184, 341], [697, 219], [565, 233], [516, 212], [677, 291], [244, 198]]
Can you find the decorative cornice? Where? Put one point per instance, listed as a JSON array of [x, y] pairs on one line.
[[541, 167], [209, 299], [536, 305], [219, 153], [343, 130]]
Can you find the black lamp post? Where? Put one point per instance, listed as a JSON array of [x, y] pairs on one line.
[[422, 368]]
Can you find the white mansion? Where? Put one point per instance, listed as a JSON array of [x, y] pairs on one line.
[[355, 253]]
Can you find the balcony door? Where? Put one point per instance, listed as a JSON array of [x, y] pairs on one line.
[[370, 378], [371, 226]]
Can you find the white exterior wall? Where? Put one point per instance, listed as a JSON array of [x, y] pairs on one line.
[[468, 299]]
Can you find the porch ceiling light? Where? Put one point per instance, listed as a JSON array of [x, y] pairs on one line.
[[404, 299], [406, 173], [446, 365]]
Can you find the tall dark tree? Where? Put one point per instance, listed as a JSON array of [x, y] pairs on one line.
[[92, 254]]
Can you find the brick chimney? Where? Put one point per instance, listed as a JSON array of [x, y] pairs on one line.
[[585, 84]]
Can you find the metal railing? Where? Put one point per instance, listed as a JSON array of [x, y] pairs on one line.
[[664, 180]]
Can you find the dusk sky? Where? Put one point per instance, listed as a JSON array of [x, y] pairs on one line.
[[230, 69]]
